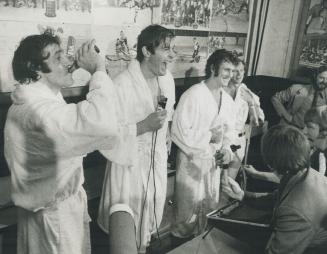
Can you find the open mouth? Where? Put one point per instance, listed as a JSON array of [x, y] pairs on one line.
[[226, 80]]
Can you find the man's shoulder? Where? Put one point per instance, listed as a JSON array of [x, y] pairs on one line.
[[196, 88], [300, 198], [32, 114], [297, 89], [194, 92], [123, 79]]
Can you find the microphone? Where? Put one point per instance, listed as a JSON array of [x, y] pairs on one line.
[[234, 148], [162, 101], [75, 66]]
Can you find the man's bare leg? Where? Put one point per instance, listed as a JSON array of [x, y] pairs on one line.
[[122, 234]]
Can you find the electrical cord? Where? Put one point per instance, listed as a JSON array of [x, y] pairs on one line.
[[155, 187], [151, 168], [146, 191], [162, 100]]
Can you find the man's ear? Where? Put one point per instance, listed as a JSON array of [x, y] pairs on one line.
[[32, 66], [146, 52], [212, 70]]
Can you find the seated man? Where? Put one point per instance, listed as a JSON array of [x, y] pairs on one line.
[[46, 140], [316, 126], [300, 214], [292, 103], [316, 123]]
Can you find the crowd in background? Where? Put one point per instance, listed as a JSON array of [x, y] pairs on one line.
[[186, 12]]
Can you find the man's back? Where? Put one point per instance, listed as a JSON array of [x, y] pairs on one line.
[[301, 215], [46, 139]]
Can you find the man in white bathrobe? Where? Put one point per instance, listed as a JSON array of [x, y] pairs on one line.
[[203, 124], [247, 105], [134, 188], [46, 140]]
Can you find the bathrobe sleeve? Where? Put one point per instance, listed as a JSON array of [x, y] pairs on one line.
[[86, 126], [125, 150]]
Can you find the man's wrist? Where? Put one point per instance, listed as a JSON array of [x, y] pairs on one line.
[[242, 194], [100, 67], [141, 128]]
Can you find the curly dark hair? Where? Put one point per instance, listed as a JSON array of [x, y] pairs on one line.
[[151, 37], [216, 59], [29, 57], [315, 72]]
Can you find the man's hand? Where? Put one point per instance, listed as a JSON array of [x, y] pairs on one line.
[[88, 59], [223, 157], [288, 117], [254, 120], [232, 189], [152, 122], [216, 135], [246, 96], [321, 141], [249, 169], [169, 141]]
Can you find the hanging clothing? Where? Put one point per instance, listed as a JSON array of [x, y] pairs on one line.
[[297, 100], [242, 111], [197, 178], [45, 141], [131, 185]]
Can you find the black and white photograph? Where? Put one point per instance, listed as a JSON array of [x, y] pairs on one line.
[[69, 11], [125, 13], [163, 127], [186, 14], [190, 54], [231, 42], [230, 16], [317, 17], [141, 4], [314, 53]]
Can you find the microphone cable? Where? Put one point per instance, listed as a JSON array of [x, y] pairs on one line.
[[146, 191], [161, 104], [154, 185]]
